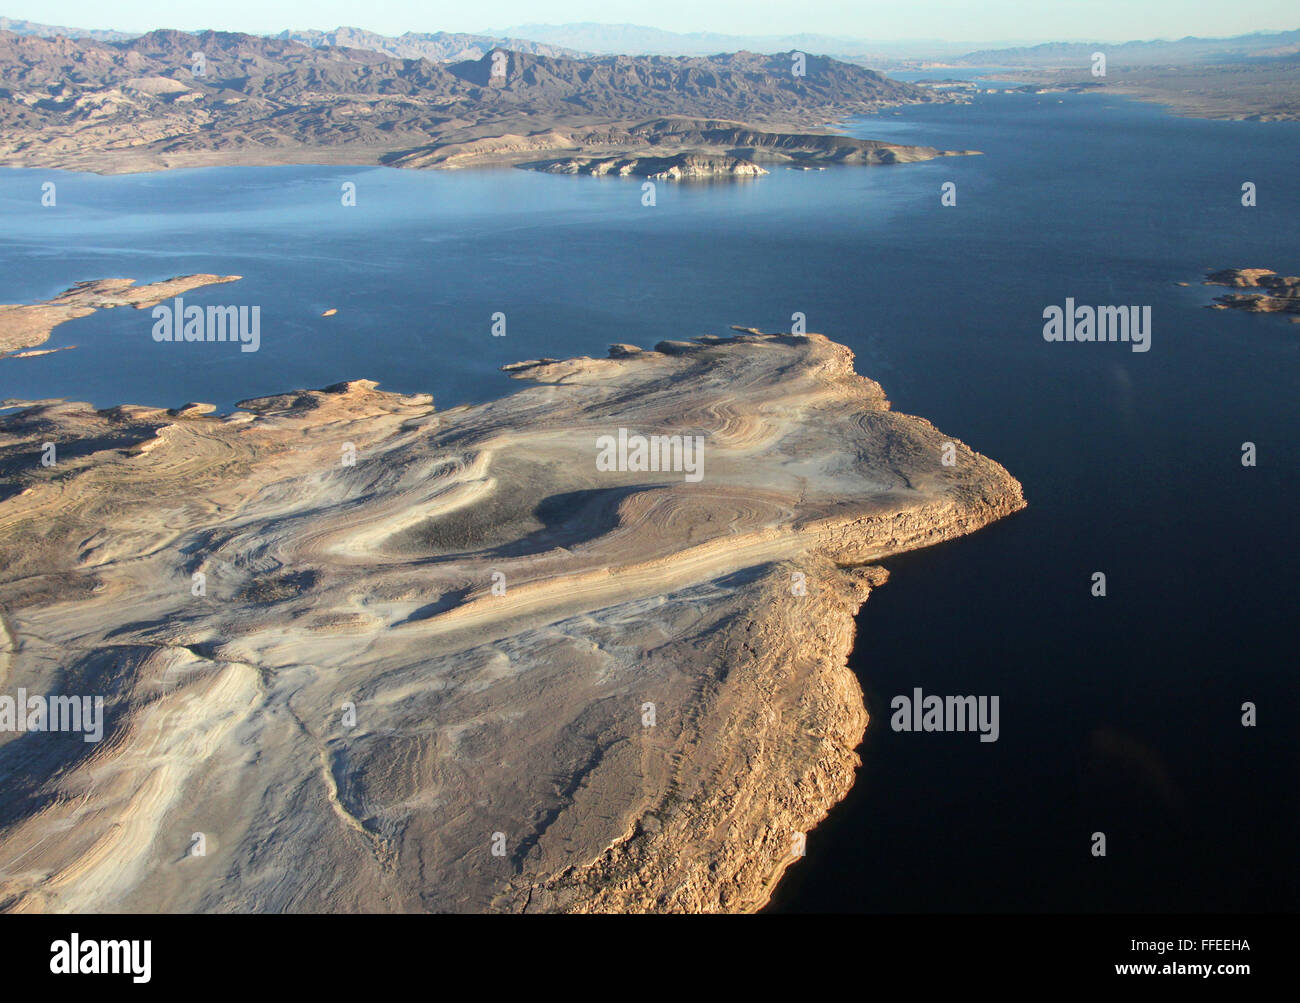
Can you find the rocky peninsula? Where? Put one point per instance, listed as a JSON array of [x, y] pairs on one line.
[[27, 325], [581, 649], [672, 148]]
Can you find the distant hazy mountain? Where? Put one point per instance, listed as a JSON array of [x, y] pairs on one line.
[[638, 40], [244, 71], [1157, 52], [587, 38], [19, 27], [438, 46]]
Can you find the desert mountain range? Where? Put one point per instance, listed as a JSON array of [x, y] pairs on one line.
[[150, 102]]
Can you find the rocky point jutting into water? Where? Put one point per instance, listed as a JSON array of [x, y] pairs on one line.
[[520, 656], [26, 325]]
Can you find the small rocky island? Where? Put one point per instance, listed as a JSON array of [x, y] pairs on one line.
[[1269, 292], [579, 649]]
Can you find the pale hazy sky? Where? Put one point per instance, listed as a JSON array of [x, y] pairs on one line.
[[967, 20]]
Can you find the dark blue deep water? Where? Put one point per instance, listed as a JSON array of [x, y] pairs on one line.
[[1118, 715]]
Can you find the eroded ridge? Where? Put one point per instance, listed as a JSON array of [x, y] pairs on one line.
[[380, 657]]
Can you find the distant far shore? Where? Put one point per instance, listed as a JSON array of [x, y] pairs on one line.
[[1267, 91]]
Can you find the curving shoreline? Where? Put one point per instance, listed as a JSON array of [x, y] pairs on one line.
[[520, 711]]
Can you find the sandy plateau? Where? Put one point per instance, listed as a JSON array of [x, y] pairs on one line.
[[516, 721]]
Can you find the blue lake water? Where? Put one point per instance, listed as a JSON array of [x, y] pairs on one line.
[[1118, 715]]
